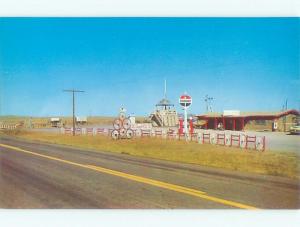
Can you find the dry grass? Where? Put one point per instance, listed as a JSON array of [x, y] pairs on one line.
[[270, 163]]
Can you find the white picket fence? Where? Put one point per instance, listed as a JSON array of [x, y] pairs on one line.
[[222, 138], [8, 126]]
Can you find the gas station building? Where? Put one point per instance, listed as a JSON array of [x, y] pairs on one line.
[[234, 120]]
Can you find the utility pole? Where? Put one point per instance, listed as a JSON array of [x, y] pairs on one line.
[[73, 95], [286, 103], [284, 108]]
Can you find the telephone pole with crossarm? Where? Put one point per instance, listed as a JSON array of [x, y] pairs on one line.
[[73, 95]]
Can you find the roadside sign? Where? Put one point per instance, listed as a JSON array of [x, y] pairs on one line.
[[185, 100]]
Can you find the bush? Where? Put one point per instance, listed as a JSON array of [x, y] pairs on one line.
[[13, 132]]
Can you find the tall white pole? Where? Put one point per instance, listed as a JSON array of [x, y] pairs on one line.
[[185, 124], [165, 89]]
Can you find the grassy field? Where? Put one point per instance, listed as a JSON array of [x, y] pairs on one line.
[[271, 163]]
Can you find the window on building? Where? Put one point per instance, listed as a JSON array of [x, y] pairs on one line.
[[260, 122]]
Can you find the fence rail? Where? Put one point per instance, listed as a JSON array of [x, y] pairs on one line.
[[9, 126], [231, 139]]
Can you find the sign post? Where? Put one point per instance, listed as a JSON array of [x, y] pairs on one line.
[[185, 100]]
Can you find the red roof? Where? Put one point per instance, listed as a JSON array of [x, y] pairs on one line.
[[249, 115]]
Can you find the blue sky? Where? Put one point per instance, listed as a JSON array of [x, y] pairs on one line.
[[248, 64]]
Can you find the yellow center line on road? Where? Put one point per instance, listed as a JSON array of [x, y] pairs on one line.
[[144, 180]]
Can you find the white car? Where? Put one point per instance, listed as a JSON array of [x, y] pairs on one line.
[[295, 130]]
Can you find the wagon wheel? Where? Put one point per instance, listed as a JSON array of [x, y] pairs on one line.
[[117, 124], [129, 134], [115, 134], [122, 116], [126, 123], [122, 132]]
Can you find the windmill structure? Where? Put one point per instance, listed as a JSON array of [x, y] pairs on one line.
[[208, 100]]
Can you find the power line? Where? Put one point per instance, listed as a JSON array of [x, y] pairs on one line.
[[73, 95]]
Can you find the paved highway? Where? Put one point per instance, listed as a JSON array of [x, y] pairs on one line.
[[40, 175]]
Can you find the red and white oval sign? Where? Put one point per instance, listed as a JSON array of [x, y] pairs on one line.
[[185, 100]]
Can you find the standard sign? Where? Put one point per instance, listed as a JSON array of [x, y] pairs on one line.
[[185, 100]]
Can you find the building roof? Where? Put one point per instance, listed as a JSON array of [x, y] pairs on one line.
[[164, 102], [251, 114]]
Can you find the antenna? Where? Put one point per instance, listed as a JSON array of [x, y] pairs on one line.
[[285, 105], [284, 108], [165, 94]]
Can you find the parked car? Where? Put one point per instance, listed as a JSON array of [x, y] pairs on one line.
[[295, 130]]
